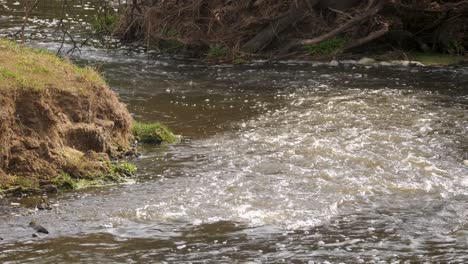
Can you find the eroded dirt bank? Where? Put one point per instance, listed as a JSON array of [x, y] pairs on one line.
[[58, 122]]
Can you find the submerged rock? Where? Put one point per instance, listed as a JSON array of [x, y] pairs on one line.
[[44, 205], [366, 61]]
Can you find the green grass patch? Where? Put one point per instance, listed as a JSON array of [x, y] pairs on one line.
[[217, 51], [153, 133], [239, 60], [105, 24], [328, 47], [18, 183], [35, 69], [65, 182], [435, 58], [124, 168]]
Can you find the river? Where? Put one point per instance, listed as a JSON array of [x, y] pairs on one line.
[[289, 162]]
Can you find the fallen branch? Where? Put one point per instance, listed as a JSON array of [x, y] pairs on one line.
[[262, 39], [372, 36], [372, 9]]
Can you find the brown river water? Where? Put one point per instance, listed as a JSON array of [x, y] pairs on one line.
[[294, 162]]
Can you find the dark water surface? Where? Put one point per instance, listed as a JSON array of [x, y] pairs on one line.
[[286, 162]]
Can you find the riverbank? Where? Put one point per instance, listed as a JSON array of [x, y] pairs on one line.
[[61, 126], [306, 30]]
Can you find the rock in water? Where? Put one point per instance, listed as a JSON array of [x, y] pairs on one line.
[[44, 205], [38, 227]]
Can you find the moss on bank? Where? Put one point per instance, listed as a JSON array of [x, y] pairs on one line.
[[117, 172], [326, 48], [105, 23], [436, 59], [154, 133]]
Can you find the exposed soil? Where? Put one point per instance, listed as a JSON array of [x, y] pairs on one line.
[[42, 133], [45, 133]]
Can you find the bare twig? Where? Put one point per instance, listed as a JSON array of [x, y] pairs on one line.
[[65, 32], [30, 5]]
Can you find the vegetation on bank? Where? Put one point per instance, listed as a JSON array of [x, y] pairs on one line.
[[36, 69], [327, 48], [242, 30], [116, 172], [105, 23], [61, 127]]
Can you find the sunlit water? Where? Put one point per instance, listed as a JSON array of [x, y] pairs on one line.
[[289, 162]]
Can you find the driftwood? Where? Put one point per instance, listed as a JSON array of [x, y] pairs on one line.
[[372, 36], [373, 8], [266, 36], [248, 27]]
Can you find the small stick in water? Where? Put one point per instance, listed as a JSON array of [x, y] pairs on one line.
[[38, 227]]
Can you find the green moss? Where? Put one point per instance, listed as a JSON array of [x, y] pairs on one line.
[[18, 183], [65, 182], [26, 182], [155, 133], [239, 60], [116, 173], [217, 51], [21, 183], [124, 168], [435, 58], [328, 47]]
